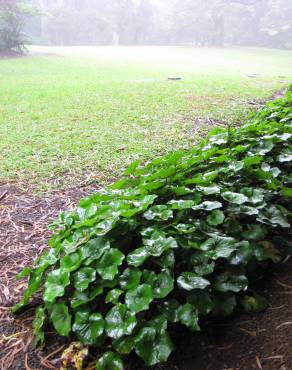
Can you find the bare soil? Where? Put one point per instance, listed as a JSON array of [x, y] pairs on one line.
[[243, 342]]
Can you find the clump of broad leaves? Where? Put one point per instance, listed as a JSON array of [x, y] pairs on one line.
[[174, 241]]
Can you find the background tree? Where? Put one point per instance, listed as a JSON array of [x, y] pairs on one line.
[[13, 17], [11, 24], [195, 22]]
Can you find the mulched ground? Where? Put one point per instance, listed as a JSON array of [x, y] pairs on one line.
[[243, 342]]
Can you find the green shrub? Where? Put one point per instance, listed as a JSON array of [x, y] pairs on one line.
[[13, 16], [175, 240]]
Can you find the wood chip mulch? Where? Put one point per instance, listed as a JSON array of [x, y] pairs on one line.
[[23, 237]]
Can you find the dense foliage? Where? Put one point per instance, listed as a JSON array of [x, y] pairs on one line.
[[173, 242], [198, 22], [13, 15], [10, 27]]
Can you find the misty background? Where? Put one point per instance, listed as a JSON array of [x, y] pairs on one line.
[[266, 23]]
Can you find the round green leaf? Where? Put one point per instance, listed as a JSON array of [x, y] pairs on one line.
[[130, 278], [254, 195], [71, 262], [158, 244], [167, 259], [255, 232], [229, 282], [149, 277], [83, 297], [137, 257], [202, 301], [88, 327], [119, 322], [243, 253], [61, 318], [218, 247], [110, 361], [236, 198], [138, 299], [113, 296], [153, 348], [158, 213], [202, 264], [181, 204], [170, 310], [188, 315], [94, 249], [84, 277], [163, 285], [209, 190], [207, 206], [124, 345], [107, 266], [286, 192], [216, 218], [55, 285], [190, 281], [185, 228]]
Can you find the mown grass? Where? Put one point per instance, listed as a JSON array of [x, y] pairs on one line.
[[82, 114]]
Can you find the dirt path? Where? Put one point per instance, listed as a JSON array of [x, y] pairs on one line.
[[244, 342]]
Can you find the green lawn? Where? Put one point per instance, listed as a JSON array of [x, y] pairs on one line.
[[84, 113]]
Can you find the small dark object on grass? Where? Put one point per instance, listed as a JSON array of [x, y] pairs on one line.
[[174, 78]]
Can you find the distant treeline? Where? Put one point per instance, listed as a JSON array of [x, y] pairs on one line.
[[196, 22]]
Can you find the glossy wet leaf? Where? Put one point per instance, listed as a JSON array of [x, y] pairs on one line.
[[120, 321], [216, 218], [71, 262], [202, 301], [153, 348], [81, 298], [88, 326], [110, 361], [61, 318], [137, 257], [185, 228], [158, 213], [84, 277], [94, 249], [218, 247], [55, 284], [190, 281], [208, 206], [167, 259], [202, 264], [181, 204], [130, 278], [236, 198], [139, 299], [230, 282], [158, 244], [113, 296], [188, 316], [124, 345], [107, 266], [164, 284]]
